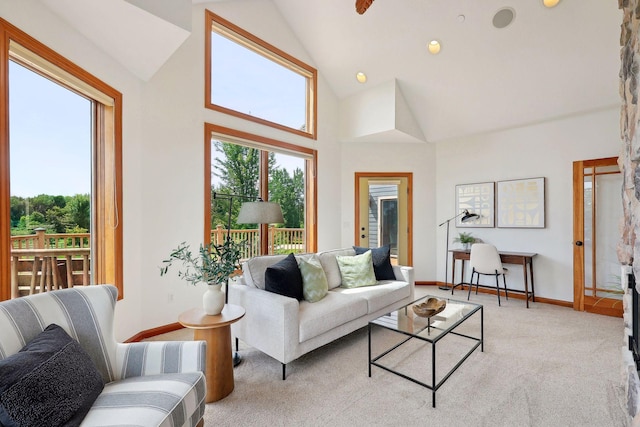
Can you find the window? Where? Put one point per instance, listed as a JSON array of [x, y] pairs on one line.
[[80, 223], [248, 78], [251, 167]]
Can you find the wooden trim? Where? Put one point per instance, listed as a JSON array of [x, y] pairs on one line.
[[235, 133], [263, 183], [207, 185], [148, 333], [107, 165], [272, 53], [5, 189], [578, 230], [604, 306], [312, 206], [519, 296]]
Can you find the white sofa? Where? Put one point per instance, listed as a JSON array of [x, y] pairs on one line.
[[285, 328], [145, 384]]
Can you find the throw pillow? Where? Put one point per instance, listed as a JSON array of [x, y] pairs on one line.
[[314, 281], [284, 278], [356, 270], [381, 261], [52, 381]]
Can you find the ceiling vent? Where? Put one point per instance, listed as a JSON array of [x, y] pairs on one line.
[[503, 17]]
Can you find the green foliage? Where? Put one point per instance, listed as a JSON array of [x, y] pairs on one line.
[[464, 238], [57, 214], [211, 264], [288, 191], [238, 168]]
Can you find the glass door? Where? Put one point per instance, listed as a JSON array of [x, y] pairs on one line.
[[383, 213], [597, 212]]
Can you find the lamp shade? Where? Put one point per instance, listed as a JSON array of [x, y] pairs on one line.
[[260, 213], [469, 216]]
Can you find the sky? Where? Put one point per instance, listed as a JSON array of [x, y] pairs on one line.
[[50, 136], [248, 82]]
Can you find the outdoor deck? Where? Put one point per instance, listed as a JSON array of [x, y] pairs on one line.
[[42, 262]]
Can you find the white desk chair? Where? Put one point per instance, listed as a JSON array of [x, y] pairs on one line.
[[485, 260]]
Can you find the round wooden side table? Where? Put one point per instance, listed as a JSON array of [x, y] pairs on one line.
[[216, 331]]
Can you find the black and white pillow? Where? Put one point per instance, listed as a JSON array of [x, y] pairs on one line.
[[381, 258]]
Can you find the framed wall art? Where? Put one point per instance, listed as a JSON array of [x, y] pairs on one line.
[[521, 203], [478, 199]]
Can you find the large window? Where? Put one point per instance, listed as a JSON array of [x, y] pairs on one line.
[[252, 167], [249, 78], [60, 169]]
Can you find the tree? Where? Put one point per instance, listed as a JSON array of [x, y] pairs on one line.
[[288, 191], [78, 210], [238, 168]]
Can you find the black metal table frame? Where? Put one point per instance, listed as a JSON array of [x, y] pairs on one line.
[[434, 386]]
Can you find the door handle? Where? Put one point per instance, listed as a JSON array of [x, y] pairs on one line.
[[578, 243]]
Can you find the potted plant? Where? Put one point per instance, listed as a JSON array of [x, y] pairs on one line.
[[466, 239], [212, 264]]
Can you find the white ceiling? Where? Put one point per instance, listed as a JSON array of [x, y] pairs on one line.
[[548, 63]]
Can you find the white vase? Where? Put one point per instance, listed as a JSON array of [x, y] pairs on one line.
[[213, 299]]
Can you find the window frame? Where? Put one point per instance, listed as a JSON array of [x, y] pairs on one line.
[[106, 233], [261, 47], [264, 144]]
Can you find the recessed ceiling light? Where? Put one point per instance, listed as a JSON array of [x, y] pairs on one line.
[[361, 77], [434, 47], [550, 3]]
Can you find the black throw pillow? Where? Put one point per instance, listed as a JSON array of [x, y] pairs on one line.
[[381, 258], [52, 381], [284, 278]]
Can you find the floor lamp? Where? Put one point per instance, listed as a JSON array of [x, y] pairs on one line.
[[253, 211], [467, 217]]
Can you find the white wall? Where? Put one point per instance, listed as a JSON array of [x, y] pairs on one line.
[[418, 158], [542, 150]]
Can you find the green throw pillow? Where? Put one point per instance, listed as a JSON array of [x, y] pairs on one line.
[[356, 270], [314, 281]]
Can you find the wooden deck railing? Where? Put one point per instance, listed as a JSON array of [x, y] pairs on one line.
[[281, 240], [41, 262]]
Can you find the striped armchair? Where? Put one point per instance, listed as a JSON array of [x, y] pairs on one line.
[[146, 384]]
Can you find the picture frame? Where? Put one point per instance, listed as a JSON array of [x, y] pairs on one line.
[[477, 198], [521, 203]]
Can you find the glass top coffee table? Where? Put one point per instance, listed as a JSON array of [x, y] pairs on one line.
[[460, 326]]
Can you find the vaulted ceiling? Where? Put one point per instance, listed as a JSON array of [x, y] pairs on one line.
[[548, 63]]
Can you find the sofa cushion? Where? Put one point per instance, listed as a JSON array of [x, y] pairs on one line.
[[330, 265], [254, 268], [333, 310], [51, 381], [165, 400], [284, 278], [356, 270], [385, 293], [314, 281], [381, 258]]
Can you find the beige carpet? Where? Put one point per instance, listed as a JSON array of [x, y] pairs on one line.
[[545, 366]]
